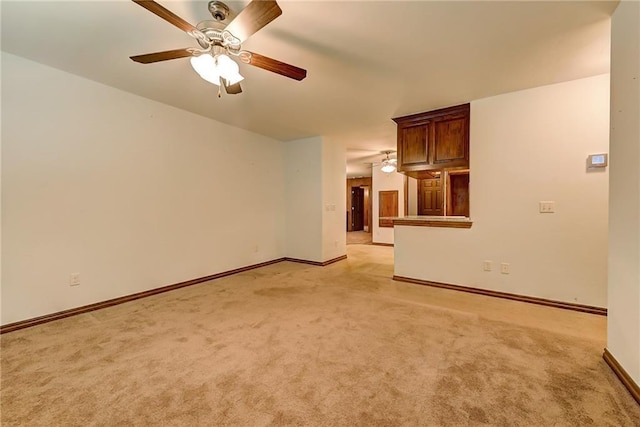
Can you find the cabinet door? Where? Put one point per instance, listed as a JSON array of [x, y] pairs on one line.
[[388, 207], [458, 194], [413, 147], [430, 197], [450, 141]]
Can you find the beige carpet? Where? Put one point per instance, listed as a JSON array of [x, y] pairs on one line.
[[292, 344], [358, 238]]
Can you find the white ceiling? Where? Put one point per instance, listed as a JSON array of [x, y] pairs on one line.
[[367, 61]]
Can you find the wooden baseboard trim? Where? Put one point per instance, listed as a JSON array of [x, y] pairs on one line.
[[317, 263], [10, 327], [120, 300], [533, 300], [622, 375], [382, 244]]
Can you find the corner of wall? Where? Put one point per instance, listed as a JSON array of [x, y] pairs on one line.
[[303, 186], [623, 337], [334, 175], [381, 181]]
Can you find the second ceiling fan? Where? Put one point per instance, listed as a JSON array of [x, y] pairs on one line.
[[212, 61]]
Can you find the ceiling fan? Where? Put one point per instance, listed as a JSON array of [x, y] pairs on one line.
[[388, 165], [218, 42]]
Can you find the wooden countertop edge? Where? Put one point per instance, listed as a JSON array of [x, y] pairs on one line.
[[433, 223]]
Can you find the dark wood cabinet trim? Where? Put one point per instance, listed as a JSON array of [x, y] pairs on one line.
[[432, 223], [419, 118]]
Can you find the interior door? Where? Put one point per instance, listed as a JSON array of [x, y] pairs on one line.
[[357, 208], [430, 197]]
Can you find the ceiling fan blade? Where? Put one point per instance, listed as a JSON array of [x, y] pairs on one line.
[[166, 14], [150, 58], [233, 89], [253, 17], [275, 66]]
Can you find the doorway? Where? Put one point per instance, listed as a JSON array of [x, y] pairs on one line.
[[357, 187], [357, 208]]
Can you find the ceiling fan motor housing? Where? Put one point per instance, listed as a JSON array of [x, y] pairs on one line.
[[218, 10]]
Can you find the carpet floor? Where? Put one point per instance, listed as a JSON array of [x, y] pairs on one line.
[[358, 237], [292, 344]]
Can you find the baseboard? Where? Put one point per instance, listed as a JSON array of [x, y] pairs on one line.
[[318, 263], [524, 298], [622, 375], [121, 300], [382, 244]]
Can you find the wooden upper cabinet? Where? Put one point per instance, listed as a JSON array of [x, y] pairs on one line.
[[433, 140], [415, 148], [451, 141]]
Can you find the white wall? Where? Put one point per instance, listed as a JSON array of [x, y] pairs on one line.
[[381, 181], [623, 340], [304, 199], [1, 188], [130, 193], [316, 199], [412, 189], [334, 176], [526, 147]]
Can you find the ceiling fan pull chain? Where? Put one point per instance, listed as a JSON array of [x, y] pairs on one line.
[[219, 95]]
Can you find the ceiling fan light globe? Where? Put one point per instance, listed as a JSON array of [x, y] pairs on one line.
[[233, 79], [387, 167], [228, 69], [211, 76], [206, 68], [226, 64], [202, 63]]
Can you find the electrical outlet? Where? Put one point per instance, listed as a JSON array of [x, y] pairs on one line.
[[74, 279], [505, 268], [487, 265], [547, 207]]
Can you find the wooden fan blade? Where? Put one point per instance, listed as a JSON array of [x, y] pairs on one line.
[[253, 17], [275, 66], [166, 14], [233, 89], [150, 58]]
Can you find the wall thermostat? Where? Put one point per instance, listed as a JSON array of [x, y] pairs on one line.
[[597, 161]]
